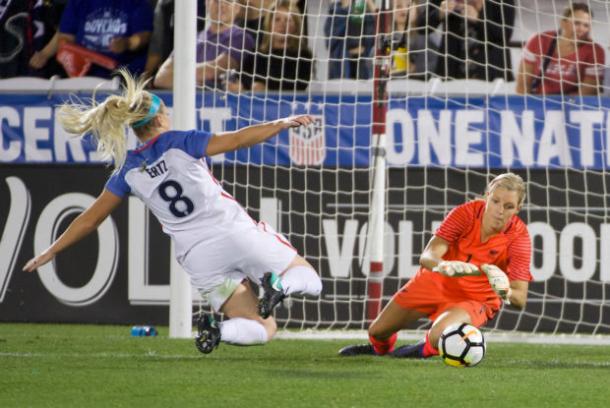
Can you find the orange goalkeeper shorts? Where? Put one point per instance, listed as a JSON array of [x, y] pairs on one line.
[[432, 293]]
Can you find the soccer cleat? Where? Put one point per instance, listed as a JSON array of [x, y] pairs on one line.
[[273, 294], [357, 350], [410, 351], [208, 334]]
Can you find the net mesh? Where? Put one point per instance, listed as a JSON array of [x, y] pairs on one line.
[[455, 117]]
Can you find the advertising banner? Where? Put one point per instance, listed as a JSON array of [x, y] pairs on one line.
[[475, 132]]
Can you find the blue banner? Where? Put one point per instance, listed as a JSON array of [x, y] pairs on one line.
[[475, 132]]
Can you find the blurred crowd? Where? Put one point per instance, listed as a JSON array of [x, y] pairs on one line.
[[263, 45]]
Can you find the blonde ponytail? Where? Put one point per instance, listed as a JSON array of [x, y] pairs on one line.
[[107, 120]]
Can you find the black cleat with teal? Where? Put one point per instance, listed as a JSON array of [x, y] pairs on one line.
[[357, 350], [208, 334], [273, 294]]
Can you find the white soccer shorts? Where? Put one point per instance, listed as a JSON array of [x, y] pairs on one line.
[[217, 268]]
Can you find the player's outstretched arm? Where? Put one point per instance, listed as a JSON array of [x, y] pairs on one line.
[[82, 225], [251, 135]]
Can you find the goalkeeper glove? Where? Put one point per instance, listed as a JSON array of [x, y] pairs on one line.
[[498, 280], [456, 269]]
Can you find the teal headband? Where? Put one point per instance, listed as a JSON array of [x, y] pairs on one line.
[[152, 112]]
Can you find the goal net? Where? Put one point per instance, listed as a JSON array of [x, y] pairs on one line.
[[472, 92]]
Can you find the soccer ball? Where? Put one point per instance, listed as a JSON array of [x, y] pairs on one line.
[[461, 345]]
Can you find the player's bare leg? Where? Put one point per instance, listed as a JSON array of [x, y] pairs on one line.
[[392, 319], [299, 277], [383, 330]]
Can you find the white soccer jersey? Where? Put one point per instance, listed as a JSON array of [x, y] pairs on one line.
[[169, 174]]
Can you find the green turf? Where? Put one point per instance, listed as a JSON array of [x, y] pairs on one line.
[[84, 366]]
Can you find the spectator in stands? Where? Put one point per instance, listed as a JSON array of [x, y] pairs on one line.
[[42, 59], [412, 53], [565, 61], [13, 28], [118, 29], [283, 61], [162, 40], [45, 37], [350, 31], [25, 29], [221, 50], [252, 17], [475, 37]]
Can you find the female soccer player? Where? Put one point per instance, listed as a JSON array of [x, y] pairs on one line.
[[479, 236], [216, 242]]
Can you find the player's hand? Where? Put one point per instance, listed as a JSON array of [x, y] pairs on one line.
[[38, 261], [456, 269], [497, 279], [295, 121]]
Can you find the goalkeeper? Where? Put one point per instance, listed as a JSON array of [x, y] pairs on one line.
[[478, 257]]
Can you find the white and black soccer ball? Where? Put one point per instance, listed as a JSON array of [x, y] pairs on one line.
[[461, 345]]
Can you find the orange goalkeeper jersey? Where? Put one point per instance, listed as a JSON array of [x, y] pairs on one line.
[[510, 249]]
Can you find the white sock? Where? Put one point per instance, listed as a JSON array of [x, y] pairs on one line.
[[302, 280], [244, 332]]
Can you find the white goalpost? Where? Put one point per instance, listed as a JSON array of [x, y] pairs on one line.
[[360, 193], [376, 219], [180, 307]]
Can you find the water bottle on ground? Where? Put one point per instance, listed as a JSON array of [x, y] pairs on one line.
[[143, 331]]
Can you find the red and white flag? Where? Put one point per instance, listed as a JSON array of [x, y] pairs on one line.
[[308, 144]]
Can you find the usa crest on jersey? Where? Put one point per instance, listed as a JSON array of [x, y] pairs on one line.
[[308, 143]]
